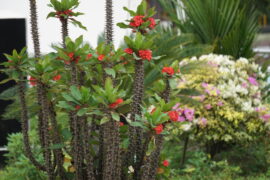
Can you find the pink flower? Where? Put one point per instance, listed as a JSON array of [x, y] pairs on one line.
[[176, 106], [189, 114], [265, 117], [220, 103], [253, 81], [244, 85], [208, 106], [204, 85], [203, 121], [181, 119]]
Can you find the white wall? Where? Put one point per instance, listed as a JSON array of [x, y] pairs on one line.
[[94, 20]]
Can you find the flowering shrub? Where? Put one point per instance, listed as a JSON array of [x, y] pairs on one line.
[[231, 103]]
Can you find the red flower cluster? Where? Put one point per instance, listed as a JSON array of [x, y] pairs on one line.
[[121, 124], [166, 163], [101, 57], [72, 58], [77, 107], [57, 77], [137, 21], [168, 70], [66, 12], [152, 23], [33, 81], [128, 51], [88, 56], [173, 115], [145, 54], [159, 129], [116, 103]]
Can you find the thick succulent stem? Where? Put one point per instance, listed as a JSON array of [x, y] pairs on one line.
[[86, 149], [149, 168], [24, 124], [135, 134], [109, 22], [34, 27], [64, 23], [110, 140], [47, 138], [43, 122]]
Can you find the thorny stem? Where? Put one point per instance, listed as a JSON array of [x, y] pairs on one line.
[[43, 122], [150, 166], [24, 124], [64, 23]]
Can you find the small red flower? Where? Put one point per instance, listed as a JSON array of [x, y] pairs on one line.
[[128, 51], [159, 129], [89, 56], [101, 57], [173, 115], [166, 163], [57, 77], [71, 55], [77, 107], [168, 70], [145, 54], [121, 124], [152, 23], [116, 103], [77, 59], [136, 21], [68, 12], [33, 81]]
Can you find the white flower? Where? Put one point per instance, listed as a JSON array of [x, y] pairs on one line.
[[186, 127]]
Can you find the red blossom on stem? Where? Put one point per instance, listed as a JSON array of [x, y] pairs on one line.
[[57, 77], [173, 115], [168, 70], [77, 107], [159, 129], [33, 81], [101, 57], [136, 21], [89, 56], [145, 54], [116, 103], [121, 124], [152, 23], [166, 163], [128, 51]]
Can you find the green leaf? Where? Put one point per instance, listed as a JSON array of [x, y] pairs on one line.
[[122, 25], [5, 80], [151, 147], [115, 116], [82, 111], [132, 13], [104, 120], [65, 105], [51, 14], [110, 72], [75, 93]]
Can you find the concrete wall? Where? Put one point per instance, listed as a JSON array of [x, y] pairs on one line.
[[93, 19]]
